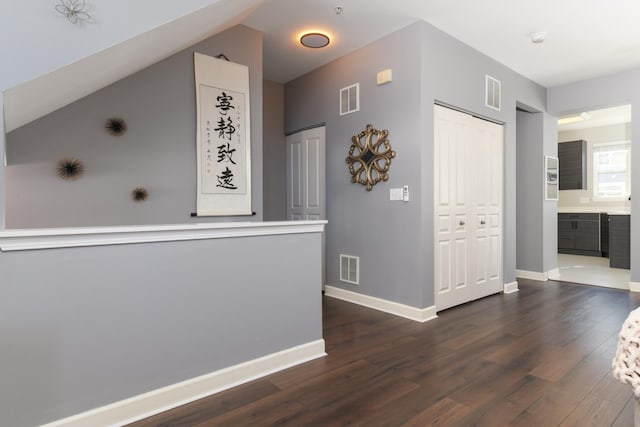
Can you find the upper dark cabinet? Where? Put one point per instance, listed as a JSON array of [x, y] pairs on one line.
[[572, 157]]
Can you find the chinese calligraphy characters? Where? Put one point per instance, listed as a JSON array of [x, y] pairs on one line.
[[223, 148]]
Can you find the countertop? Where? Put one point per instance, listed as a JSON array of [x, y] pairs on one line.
[[619, 211]]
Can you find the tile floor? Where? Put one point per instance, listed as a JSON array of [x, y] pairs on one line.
[[591, 271]]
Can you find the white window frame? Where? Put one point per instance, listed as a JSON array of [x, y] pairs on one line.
[[594, 172]]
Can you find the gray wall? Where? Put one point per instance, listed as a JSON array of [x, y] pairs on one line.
[[85, 327], [3, 204], [536, 218], [365, 223], [454, 73], [529, 191], [395, 240], [612, 133], [617, 89], [550, 208], [157, 152], [274, 158]]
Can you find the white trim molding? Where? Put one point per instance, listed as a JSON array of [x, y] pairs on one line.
[[532, 275], [510, 288], [163, 399], [49, 238], [412, 313], [634, 286], [553, 274]]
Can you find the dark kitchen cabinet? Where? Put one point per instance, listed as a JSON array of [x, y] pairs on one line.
[[572, 158], [579, 233], [604, 234], [619, 241]]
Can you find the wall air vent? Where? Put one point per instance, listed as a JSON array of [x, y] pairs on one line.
[[492, 93], [350, 269], [350, 99]]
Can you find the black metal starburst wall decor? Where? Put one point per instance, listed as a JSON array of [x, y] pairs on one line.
[[70, 168], [139, 194], [116, 126], [370, 157]]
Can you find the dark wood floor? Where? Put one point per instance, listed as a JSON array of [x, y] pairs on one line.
[[539, 357]]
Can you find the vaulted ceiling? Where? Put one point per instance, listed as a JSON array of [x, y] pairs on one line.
[[48, 62], [51, 62]]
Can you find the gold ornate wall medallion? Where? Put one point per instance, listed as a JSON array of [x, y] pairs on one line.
[[370, 157]]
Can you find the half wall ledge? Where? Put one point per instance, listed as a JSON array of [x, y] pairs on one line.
[[51, 238]]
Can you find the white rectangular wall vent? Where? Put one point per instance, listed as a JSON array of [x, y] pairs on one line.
[[350, 99], [492, 93], [350, 269]]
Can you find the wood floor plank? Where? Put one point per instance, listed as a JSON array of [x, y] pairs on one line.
[[549, 410], [564, 396], [494, 383], [593, 412], [208, 408], [272, 410], [611, 389], [445, 412], [626, 416], [557, 364], [347, 409], [538, 357], [504, 408]]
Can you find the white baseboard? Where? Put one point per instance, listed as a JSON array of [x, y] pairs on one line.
[[406, 311], [532, 275], [634, 286], [160, 400], [553, 274], [510, 288]]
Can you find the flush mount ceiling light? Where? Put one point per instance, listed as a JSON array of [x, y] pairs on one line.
[[314, 40]]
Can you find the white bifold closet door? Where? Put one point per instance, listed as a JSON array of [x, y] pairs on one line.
[[468, 207]]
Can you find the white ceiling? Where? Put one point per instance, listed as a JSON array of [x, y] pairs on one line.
[[585, 38], [598, 118], [54, 63]]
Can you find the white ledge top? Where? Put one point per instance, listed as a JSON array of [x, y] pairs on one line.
[[50, 238]]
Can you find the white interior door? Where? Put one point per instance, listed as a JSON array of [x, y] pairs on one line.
[[306, 178], [468, 207], [306, 175]]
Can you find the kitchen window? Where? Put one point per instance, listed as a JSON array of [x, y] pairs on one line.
[[612, 171]]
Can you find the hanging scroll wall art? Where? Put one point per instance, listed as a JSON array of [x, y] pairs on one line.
[[222, 137], [370, 157]]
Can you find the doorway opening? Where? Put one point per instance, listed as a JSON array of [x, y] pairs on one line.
[[594, 207]]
